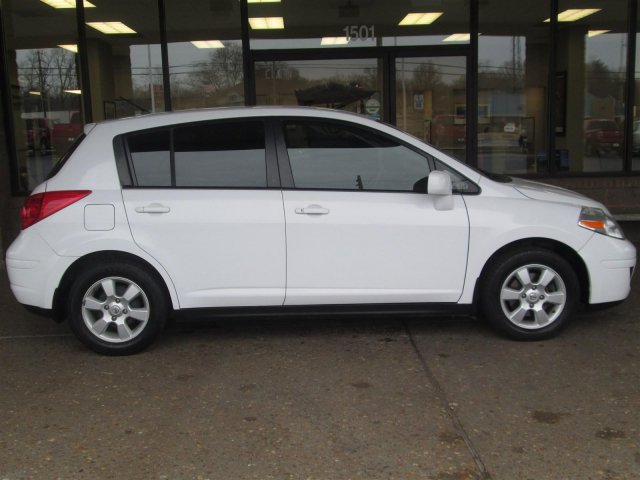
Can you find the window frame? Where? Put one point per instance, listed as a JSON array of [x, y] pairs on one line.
[[286, 173], [126, 170]]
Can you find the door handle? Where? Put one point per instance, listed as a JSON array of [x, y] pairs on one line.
[[153, 208], [312, 210]]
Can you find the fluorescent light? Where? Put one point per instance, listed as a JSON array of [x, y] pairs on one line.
[[458, 37], [75, 92], [66, 3], [111, 28], [420, 18], [33, 92], [266, 23], [264, 1], [207, 44], [595, 33], [334, 40], [71, 48], [574, 14]]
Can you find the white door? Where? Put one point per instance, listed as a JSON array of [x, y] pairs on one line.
[[218, 231], [357, 229]]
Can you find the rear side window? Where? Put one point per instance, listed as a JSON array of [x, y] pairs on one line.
[[150, 155], [220, 155]]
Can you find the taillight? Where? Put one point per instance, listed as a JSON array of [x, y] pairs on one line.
[[42, 205]]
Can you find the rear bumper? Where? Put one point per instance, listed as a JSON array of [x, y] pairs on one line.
[[34, 270], [610, 263]]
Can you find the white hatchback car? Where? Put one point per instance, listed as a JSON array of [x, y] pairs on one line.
[[279, 210]]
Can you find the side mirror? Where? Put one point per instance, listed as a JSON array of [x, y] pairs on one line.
[[439, 185]]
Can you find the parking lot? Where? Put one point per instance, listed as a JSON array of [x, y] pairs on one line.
[[363, 398]]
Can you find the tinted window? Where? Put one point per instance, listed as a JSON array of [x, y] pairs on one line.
[[460, 183], [150, 158], [220, 155], [332, 155]]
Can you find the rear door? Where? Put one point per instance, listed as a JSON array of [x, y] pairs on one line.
[[360, 226], [205, 203]]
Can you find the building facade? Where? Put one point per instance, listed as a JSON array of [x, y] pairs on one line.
[[540, 88]]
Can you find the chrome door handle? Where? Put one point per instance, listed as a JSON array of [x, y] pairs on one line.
[[153, 208], [312, 210]]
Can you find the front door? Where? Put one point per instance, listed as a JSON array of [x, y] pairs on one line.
[[359, 228]]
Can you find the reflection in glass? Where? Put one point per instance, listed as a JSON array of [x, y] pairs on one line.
[[353, 85], [125, 69], [205, 54], [592, 62], [512, 87], [431, 101], [46, 93], [349, 24]]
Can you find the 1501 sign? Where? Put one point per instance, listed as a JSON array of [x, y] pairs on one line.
[[359, 32]]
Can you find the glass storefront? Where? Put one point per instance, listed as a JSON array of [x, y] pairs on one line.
[[431, 101], [513, 51], [205, 54], [404, 63], [306, 24], [591, 71], [44, 86], [125, 66], [354, 85]]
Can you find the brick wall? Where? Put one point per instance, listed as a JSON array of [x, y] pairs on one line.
[[619, 194]]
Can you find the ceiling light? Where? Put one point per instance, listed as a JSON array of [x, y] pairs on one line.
[[595, 33], [266, 23], [334, 40], [264, 1], [207, 44], [420, 18], [458, 37], [75, 92], [71, 48], [33, 92], [111, 28], [66, 3], [574, 14]]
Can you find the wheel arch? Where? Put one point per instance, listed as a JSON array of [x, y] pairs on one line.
[[568, 253], [62, 292]]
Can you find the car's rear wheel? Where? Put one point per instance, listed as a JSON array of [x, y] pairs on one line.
[[530, 295], [117, 309]]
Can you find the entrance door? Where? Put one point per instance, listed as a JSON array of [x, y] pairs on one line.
[[354, 84]]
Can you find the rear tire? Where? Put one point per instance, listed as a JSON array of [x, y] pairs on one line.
[[529, 294], [117, 308]]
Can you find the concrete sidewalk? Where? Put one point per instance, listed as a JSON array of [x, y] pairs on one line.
[[324, 399]]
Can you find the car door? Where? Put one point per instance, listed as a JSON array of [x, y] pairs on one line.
[[205, 205], [360, 226]]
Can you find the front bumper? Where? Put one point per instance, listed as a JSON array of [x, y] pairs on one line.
[[610, 263]]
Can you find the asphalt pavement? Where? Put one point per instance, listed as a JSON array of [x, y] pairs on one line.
[[364, 398]]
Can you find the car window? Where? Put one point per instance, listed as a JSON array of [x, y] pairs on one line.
[[220, 155], [151, 157], [342, 156], [459, 182]]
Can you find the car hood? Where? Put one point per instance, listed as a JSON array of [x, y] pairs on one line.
[[551, 193]]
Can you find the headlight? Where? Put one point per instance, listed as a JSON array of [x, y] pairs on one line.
[[597, 220]]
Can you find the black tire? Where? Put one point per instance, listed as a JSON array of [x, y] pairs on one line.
[[537, 315], [130, 321]]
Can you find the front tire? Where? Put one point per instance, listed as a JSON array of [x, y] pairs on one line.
[[530, 294], [117, 308]]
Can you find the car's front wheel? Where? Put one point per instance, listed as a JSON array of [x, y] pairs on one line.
[[117, 309], [530, 294]]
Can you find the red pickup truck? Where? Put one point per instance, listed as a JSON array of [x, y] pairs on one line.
[[601, 135], [64, 134]]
